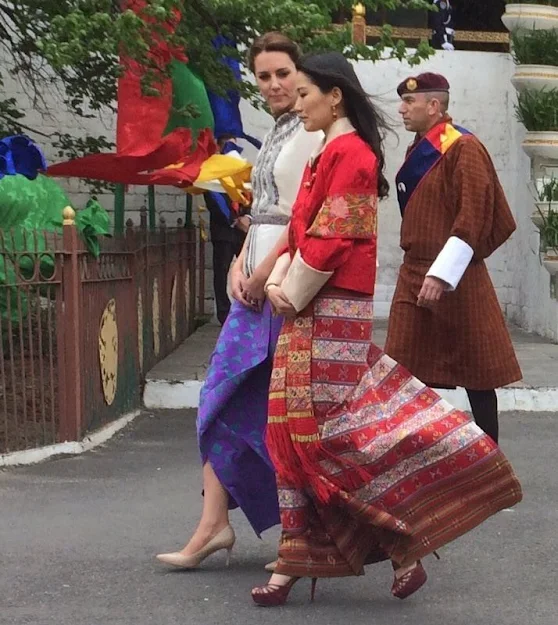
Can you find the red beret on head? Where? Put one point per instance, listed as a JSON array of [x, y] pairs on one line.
[[423, 83]]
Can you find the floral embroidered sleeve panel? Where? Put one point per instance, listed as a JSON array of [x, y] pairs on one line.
[[346, 189]]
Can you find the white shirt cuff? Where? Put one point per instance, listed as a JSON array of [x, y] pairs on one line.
[[451, 262], [302, 282]]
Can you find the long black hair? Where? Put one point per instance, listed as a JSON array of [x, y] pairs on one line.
[[331, 69]]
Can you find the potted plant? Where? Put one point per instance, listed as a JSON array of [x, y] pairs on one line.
[[549, 240], [538, 112], [535, 53], [541, 15], [547, 196]]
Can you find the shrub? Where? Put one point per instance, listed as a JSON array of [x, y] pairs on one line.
[[538, 110], [548, 190], [535, 47], [549, 230]]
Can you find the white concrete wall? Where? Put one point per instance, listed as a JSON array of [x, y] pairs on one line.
[[482, 100]]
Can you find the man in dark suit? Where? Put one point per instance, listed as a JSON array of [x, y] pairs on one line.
[[228, 227]]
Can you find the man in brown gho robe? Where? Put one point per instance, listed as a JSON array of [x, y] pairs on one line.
[[446, 326]]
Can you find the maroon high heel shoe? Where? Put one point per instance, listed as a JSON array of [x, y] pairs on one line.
[[272, 595], [410, 582]]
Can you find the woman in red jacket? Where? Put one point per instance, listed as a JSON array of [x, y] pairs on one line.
[[371, 464]]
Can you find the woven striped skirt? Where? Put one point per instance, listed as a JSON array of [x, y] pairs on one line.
[[406, 473]]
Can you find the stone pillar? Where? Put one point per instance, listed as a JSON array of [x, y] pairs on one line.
[[359, 24]]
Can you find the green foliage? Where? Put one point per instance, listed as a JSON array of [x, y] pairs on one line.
[[547, 221], [549, 230], [546, 217], [548, 190], [308, 23], [538, 110], [535, 47], [73, 46]]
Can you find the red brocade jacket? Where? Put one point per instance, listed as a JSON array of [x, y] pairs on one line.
[[332, 235]]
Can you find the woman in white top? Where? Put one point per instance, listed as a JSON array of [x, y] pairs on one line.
[[232, 416]]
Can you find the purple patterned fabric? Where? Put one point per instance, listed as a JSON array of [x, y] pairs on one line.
[[232, 416]]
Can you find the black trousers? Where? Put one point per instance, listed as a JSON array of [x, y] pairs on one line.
[[223, 254], [484, 406]]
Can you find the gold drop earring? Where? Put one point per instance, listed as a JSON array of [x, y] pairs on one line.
[[334, 111]]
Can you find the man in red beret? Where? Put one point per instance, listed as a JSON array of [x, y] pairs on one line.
[[446, 325]]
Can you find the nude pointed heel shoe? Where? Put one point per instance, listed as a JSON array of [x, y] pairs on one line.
[[225, 539]]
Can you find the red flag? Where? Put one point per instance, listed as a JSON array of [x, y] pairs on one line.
[[142, 150]]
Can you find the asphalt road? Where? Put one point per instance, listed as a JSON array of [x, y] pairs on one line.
[[78, 536]]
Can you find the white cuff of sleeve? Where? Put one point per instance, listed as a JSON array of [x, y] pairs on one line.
[[451, 262], [303, 282], [279, 270]]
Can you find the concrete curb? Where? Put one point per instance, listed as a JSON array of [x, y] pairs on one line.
[[163, 394], [511, 399], [160, 394], [70, 448]]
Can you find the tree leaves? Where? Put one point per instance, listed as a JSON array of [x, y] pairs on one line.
[[74, 46]]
